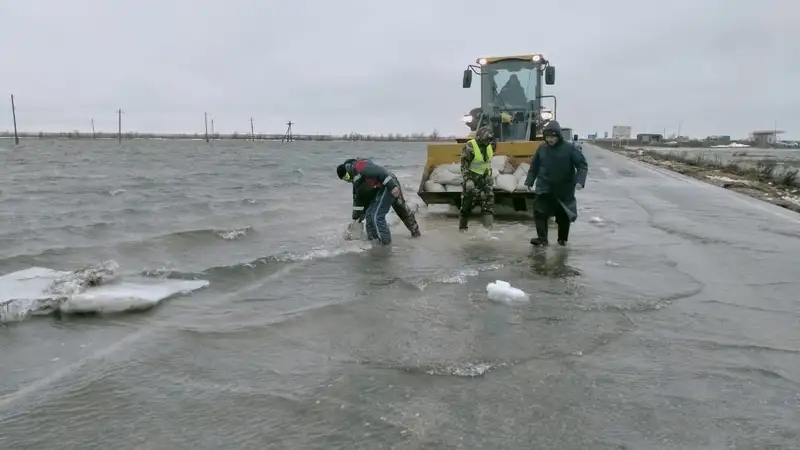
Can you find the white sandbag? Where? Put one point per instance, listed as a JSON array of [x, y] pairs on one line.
[[499, 162], [522, 170], [432, 186], [451, 167], [446, 177], [506, 182], [453, 188], [521, 185], [502, 164], [455, 181]]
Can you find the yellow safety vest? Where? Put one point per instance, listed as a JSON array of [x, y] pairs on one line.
[[480, 165]]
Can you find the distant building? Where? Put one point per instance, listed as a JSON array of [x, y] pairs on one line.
[[718, 140], [765, 138], [649, 138]]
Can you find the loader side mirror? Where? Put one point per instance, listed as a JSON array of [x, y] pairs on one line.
[[574, 137], [550, 75], [467, 81]]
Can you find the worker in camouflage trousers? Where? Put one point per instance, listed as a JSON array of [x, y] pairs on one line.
[[478, 185]]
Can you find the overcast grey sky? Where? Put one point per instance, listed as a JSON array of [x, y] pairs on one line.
[[716, 66]]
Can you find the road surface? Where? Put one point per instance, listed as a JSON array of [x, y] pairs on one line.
[[669, 322]]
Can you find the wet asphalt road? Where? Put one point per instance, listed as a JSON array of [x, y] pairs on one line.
[[670, 322]]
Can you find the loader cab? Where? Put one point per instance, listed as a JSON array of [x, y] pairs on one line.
[[511, 95]]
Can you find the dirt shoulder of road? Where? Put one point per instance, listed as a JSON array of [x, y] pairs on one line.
[[762, 181]]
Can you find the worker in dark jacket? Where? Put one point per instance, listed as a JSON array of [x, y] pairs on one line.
[[375, 190], [560, 169]]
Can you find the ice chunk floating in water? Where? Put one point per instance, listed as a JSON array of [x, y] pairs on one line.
[[501, 291], [128, 296], [40, 290]]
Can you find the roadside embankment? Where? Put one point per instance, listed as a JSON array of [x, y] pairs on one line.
[[767, 179]]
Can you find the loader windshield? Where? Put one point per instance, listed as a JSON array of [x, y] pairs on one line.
[[509, 88], [509, 85]]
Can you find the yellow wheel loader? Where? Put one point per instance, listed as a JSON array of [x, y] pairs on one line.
[[511, 104]]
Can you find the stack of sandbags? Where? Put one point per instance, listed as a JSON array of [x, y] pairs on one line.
[[447, 177], [444, 176]]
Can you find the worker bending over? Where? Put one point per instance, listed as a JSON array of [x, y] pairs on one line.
[[375, 190]]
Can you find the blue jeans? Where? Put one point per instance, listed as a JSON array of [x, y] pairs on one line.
[[377, 228]]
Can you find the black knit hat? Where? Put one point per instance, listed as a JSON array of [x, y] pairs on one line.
[[340, 171]]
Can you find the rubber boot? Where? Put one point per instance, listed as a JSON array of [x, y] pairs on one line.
[[488, 221], [541, 233], [462, 222], [563, 233]]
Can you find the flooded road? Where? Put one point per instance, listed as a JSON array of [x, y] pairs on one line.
[[671, 321]]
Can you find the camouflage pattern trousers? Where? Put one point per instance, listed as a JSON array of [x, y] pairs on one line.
[[405, 213], [481, 194]]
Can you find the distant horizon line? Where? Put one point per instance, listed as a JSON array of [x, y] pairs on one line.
[[410, 137]]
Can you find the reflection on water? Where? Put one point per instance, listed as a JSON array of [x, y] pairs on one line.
[[552, 262]]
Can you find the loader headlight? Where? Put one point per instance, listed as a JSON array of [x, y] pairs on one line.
[[547, 115], [482, 61], [467, 119], [537, 57]]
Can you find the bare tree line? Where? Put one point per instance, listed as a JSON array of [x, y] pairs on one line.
[[120, 134]]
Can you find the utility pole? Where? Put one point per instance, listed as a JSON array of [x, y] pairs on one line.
[[287, 137], [119, 125], [206, 116], [252, 130], [212, 128], [94, 135], [14, 116]]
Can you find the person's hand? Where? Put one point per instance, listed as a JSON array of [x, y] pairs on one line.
[[578, 186], [396, 191], [469, 185]]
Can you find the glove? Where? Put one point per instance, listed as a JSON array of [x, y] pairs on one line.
[[469, 185], [358, 216], [396, 191], [579, 186]]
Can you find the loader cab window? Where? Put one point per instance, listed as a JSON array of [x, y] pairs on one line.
[[509, 85]]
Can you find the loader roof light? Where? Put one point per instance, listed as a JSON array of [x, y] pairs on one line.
[[537, 58], [482, 61], [467, 119]]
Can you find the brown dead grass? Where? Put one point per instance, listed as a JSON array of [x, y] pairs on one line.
[[764, 180]]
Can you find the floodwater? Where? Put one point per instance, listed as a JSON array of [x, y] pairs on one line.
[[669, 322]]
